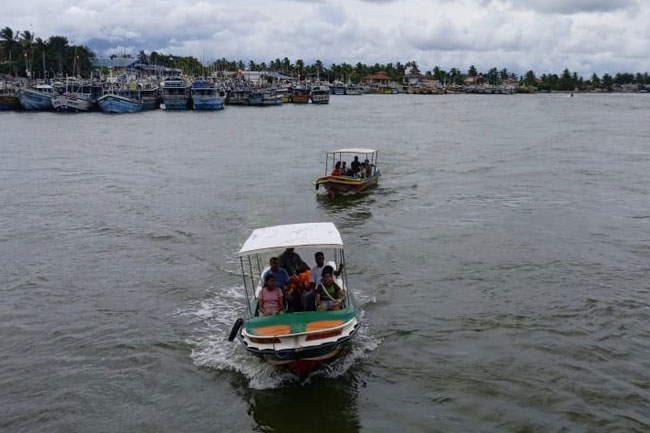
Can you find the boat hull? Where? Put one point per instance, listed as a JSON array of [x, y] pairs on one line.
[[119, 105], [71, 104], [181, 103], [208, 103], [346, 184], [9, 102], [300, 99], [320, 98], [34, 101], [299, 341]]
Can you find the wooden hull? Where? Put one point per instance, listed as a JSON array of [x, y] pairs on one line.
[[300, 99], [346, 184], [9, 102]]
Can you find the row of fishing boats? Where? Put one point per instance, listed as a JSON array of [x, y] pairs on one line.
[[174, 93]]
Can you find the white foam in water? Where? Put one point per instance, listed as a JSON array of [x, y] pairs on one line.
[[213, 318]]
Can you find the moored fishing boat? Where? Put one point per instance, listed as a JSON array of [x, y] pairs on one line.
[[206, 96], [338, 88], [320, 94], [353, 89], [176, 94], [300, 94], [37, 99], [238, 96], [119, 103], [8, 98], [299, 340], [284, 94], [150, 96], [77, 97], [360, 175]]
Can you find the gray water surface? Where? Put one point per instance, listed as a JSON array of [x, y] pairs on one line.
[[502, 266]]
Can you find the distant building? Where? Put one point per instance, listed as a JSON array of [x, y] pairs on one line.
[[413, 77], [121, 65], [378, 78]]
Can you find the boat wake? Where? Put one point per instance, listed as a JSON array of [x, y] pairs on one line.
[[211, 319]]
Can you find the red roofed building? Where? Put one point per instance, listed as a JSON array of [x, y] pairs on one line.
[[378, 78]]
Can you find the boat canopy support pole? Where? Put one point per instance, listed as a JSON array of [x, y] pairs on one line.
[[243, 274], [345, 278]]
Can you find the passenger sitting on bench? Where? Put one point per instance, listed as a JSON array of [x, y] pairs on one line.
[[329, 295], [271, 300]]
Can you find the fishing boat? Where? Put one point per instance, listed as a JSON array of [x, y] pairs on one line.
[[338, 88], [8, 98], [284, 94], [150, 95], [77, 97], [357, 178], [38, 98], [320, 94], [120, 102], [206, 96], [238, 96], [176, 94], [300, 94], [271, 97], [353, 89], [301, 340]]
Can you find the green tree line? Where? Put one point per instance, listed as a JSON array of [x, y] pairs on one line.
[[23, 54]]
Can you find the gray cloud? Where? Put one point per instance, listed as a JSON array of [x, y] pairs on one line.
[[584, 35]]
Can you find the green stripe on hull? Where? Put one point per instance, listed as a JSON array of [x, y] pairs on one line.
[[297, 322]]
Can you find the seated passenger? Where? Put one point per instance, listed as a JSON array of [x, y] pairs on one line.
[[329, 296], [270, 300], [281, 276], [345, 169], [369, 167], [291, 262], [362, 171], [337, 169]]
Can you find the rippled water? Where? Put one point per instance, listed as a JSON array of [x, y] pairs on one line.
[[502, 266]]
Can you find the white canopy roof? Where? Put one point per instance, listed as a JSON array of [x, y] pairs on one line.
[[317, 235], [354, 150]]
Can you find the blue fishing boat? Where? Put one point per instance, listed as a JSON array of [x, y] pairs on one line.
[[206, 96], [176, 94], [119, 103], [37, 99]]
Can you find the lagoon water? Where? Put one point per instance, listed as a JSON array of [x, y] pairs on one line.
[[503, 266]]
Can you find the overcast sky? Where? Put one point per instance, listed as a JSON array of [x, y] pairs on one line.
[[544, 35]]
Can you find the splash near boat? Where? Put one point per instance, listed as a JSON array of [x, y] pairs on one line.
[[359, 176], [290, 323]]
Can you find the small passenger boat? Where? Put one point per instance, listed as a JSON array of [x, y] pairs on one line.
[[299, 340], [353, 89], [353, 180]]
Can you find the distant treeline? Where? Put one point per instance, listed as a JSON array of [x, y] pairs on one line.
[[22, 54]]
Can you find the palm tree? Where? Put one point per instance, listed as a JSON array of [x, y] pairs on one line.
[[10, 40], [27, 42]]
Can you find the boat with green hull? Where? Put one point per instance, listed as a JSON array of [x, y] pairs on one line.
[[298, 340]]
